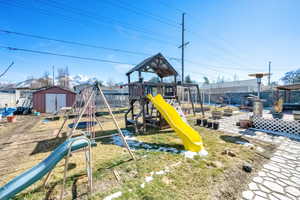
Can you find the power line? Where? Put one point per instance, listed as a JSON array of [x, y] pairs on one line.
[[95, 16], [143, 12], [169, 5], [6, 70], [80, 43], [225, 50], [73, 43], [103, 20], [106, 48], [115, 49], [63, 55]]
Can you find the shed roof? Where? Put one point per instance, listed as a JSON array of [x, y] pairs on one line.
[[156, 64], [289, 87], [52, 87]]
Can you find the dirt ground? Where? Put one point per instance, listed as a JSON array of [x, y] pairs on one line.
[[28, 136], [16, 143]]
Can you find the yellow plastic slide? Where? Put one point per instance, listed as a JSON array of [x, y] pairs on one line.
[[191, 139]]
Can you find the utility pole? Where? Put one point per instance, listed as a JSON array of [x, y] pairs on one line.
[[183, 44], [53, 82], [269, 77]]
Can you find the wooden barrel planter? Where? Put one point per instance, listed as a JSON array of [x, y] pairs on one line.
[[227, 112], [296, 115], [216, 114], [245, 123]]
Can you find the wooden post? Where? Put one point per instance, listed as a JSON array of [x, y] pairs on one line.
[[191, 98], [132, 110], [115, 122], [144, 115], [201, 102]]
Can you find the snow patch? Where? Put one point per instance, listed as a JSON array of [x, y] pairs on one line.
[[148, 179], [161, 172], [134, 144], [247, 144], [190, 154], [113, 196]]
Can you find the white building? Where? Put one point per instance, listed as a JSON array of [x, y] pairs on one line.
[[230, 87]]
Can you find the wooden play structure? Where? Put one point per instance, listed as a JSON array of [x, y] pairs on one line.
[[141, 114]]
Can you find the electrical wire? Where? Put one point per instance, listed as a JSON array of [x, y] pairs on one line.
[[6, 70], [73, 43], [142, 12], [145, 34], [63, 55]]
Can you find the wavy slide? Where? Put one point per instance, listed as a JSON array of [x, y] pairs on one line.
[[191, 139], [34, 174]]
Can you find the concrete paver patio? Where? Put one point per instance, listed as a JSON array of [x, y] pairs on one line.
[[279, 179]]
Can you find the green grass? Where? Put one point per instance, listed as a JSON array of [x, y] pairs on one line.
[[191, 179]]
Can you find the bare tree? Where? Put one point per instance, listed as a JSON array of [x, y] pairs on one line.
[[47, 81], [63, 77], [110, 83]]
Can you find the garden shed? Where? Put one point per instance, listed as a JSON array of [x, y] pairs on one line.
[[50, 100]]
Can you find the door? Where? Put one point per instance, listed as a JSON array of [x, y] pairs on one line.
[[61, 101], [54, 102], [50, 103]]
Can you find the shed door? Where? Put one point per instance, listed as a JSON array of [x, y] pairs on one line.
[[50, 103], [61, 101], [54, 102]]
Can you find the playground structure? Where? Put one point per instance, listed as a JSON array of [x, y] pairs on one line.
[[143, 114], [71, 145], [154, 112]]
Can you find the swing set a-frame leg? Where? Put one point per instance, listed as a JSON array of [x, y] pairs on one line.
[[115, 122]]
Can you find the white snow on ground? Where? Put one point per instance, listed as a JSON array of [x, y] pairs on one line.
[[134, 144], [161, 172], [190, 154], [148, 179], [113, 196], [247, 144]]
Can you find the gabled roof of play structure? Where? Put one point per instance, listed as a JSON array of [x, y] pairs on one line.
[[156, 64]]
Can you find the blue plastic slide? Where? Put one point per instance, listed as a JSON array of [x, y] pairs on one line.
[[34, 174]]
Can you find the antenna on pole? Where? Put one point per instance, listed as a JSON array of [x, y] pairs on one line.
[[183, 44]]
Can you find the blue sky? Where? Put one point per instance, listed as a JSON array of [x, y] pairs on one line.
[[227, 37]]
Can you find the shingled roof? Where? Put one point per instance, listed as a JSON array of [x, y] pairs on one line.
[[156, 64]]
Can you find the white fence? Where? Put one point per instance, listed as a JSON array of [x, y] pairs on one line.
[[7, 98]]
